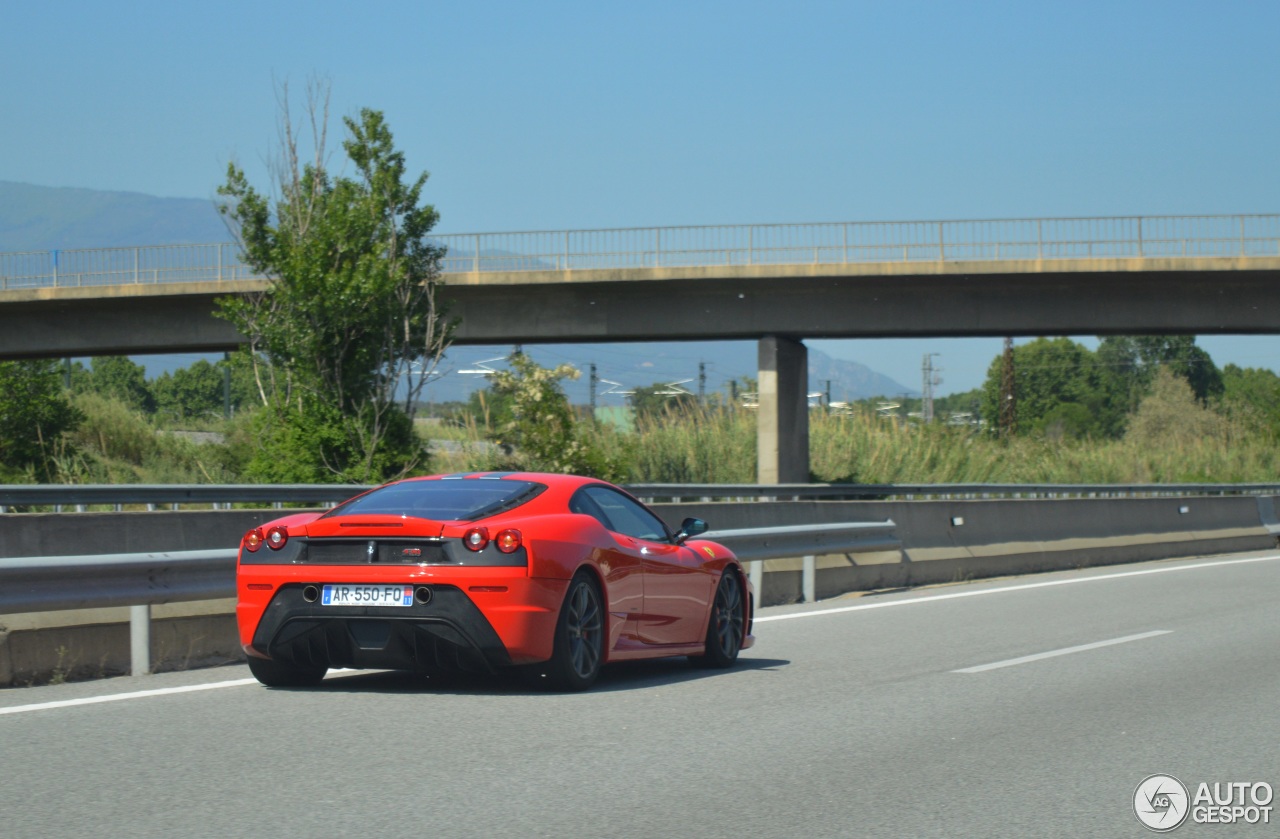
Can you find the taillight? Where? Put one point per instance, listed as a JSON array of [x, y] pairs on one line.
[[508, 541], [276, 537], [253, 540], [477, 539]]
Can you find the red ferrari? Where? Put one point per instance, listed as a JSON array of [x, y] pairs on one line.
[[554, 574]]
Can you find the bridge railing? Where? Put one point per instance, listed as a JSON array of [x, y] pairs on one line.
[[1118, 237]]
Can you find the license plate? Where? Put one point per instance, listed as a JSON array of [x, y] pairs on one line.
[[349, 595]]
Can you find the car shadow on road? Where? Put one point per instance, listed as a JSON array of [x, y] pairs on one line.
[[628, 676]]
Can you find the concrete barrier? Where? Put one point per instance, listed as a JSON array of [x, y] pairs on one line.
[[942, 541]]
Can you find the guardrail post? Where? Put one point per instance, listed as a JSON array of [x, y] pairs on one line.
[[140, 640], [1140, 251], [808, 579], [136, 280], [755, 572]]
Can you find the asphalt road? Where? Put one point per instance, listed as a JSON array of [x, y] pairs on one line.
[[851, 717]]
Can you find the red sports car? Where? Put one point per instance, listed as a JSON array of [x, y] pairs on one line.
[[555, 574]]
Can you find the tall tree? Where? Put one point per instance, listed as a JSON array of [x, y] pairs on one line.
[[1253, 394], [540, 433], [202, 390], [1060, 391], [347, 333], [34, 414], [118, 377], [1133, 360]]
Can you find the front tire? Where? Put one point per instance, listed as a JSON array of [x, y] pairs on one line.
[[724, 629], [277, 674], [579, 643]]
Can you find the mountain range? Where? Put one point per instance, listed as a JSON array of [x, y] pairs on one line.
[[36, 218]]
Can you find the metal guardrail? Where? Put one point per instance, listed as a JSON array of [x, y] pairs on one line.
[[710, 245], [52, 583], [117, 495], [757, 543], [81, 497], [142, 580]]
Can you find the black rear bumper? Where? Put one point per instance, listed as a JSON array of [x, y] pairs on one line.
[[449, 633]]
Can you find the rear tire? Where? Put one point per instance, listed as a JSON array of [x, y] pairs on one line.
[[579, 642], [724, 629], [277, 674]]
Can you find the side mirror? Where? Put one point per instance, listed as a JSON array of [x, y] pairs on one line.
[[690, 527]]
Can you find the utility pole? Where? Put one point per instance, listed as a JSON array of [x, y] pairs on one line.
[[592, 385], [733, 392], [826, 386], [702, 382], [1008, 416], [927, 384]]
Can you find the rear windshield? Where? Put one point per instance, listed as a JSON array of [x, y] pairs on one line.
[[464, 499]]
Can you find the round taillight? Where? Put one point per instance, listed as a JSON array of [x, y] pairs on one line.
[[477, 539], [508, 541], [253, 540], [276, 537]]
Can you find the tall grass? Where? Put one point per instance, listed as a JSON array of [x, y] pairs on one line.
[[720, 447], [1170, 443], [116, 445]]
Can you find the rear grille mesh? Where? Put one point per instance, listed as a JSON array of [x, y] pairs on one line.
[[374, 551]]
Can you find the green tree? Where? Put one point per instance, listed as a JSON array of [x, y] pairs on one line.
[[199, 390], [1252, 394], [1171, 416], [349, 329], [1132, 361], [119, 378], [661, 401], [1060, 391], [540, 434], [34, 416]]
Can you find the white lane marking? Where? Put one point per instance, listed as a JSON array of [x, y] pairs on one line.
[[981, 668], [886, 604], [118, 697]]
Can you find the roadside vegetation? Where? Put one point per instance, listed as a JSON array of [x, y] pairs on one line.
[[1078, 421]]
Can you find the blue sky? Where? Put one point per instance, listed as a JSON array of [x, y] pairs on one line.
[[554, 115]]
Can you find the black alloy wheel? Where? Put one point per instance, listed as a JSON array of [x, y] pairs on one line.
[[579, 642], [724, 629]]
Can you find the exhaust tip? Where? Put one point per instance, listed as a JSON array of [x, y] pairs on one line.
[[311, 594], [422, 594]]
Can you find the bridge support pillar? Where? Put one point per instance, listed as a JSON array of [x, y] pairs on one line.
[[782, 441]]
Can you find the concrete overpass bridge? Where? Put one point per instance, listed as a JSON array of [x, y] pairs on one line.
[[777, 284]]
